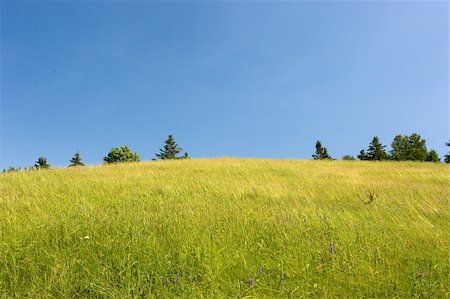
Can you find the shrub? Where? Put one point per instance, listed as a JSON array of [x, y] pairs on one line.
[[121, 155]]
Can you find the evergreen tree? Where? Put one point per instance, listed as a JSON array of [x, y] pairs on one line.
[[121, 155], [433, 156], [76, 160], [170, 150], [11, 169], [376, 150], [447, 156], [41, 163], [362, 155], [321, 152]]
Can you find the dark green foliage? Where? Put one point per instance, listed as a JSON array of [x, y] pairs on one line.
[[409, 148], [362, 155], [76, 160], [41, 163], [11, 169], [170, 150], [447, 156], [121, 155], [433, 156], [348, 158], [321, 152], [376, 151]]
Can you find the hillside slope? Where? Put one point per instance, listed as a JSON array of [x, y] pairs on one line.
[[227, 228]]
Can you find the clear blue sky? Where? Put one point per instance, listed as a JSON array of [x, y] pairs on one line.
[[246, 79]]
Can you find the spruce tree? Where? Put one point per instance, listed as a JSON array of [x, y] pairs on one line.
[[376, 150], [362, 155], [321, 152], [447, 156], [76, 160], [170, 150], [41, 163]]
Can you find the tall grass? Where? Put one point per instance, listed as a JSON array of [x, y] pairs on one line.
[[227, 228]]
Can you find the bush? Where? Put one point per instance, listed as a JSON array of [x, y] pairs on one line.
[[121, 155], [348, 158]]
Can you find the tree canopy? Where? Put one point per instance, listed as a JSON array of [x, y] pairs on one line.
[[409, 148], [121, 155]]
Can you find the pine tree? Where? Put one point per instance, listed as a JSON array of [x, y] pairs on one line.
[[376, 150], [76, 160], [41, 163], [433, 156], [321, 152], [362, 155], [447, 156], [170, 150]]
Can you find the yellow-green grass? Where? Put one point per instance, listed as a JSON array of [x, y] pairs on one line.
[[205, 228]]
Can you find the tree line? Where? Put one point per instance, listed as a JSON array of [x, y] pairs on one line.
[[170, 151], [404, 148]]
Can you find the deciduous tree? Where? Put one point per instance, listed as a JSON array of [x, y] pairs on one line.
[[121, 155], [409, 148]]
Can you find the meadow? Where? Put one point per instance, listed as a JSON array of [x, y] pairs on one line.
[[214, 228]]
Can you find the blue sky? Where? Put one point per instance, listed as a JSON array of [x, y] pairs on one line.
[[245, 79]]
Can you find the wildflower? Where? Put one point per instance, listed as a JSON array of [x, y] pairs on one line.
[[251, 282], [86, 237], [165, 280], [420, 275], [282, 277], [260, 271], [332, 248]]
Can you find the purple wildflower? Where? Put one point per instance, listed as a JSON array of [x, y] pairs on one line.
[[332, 248], [251, 282]]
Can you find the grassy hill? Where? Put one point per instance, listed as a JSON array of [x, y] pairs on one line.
[[227, 228]]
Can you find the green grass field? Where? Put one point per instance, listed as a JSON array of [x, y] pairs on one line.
[[209, 228]]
